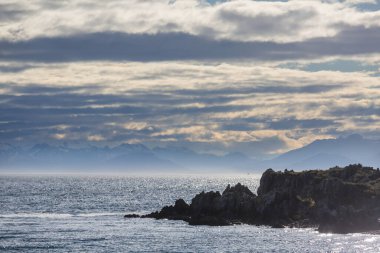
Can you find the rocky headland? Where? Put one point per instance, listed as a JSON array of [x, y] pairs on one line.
[[338, 200]]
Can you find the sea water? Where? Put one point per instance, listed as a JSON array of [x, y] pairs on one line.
[[85, 214]]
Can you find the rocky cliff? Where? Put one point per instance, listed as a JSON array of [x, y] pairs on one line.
[[338, 200]]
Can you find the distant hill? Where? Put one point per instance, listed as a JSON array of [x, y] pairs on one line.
[[320, 154], [323, 154], [125, 157]]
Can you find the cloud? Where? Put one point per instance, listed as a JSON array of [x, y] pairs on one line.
[[257, 89], [187, 73], [138, 47], [231, 107], [239, 20], [95, 138], [357, 110], [59, 136], [179, 46], [354, 2], [249, 76], [284, 124], [10, 13]]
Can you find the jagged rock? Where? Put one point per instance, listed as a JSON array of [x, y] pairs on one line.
[[338, 200], [235, 205], [180, 211]]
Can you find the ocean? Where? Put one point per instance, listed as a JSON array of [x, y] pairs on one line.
[[85, 214]]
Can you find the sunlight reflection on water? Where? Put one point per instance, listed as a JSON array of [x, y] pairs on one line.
[[62, 214]]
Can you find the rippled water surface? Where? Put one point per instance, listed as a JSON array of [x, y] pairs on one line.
[[77, 213]]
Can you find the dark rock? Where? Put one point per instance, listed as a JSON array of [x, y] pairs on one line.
[[235, 205], [338, 200], [180, 211], [206, 204], [181, 207], [278, 225], [132, 216]]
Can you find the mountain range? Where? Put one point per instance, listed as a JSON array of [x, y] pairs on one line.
[[323, 154], [320, 154]]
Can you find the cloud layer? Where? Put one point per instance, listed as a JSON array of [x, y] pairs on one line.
[[259, 77], [238, 20], [220, 107], [178, 46]]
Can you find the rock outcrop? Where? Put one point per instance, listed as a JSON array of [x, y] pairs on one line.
[[338, 200]]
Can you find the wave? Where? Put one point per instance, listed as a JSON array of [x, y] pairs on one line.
[[56, 215], [37, 215], [98, 214]]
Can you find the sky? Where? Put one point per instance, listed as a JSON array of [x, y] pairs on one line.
[[258, 77]]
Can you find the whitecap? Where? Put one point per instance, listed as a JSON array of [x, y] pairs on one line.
[[37, 215]]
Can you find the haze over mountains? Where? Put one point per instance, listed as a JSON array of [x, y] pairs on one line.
[[331, 152], [320, 154]]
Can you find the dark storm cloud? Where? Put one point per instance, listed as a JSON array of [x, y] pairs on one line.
[[238, 127], [9, 112], [11, 12], [351, 41], [356, 111], [36, 89], [250, 124], [40, 112], [279, 89], [38, 97], [70, 110], [210, 109], [285, 124], [136, 47], [180, 46], [85, 95], [13, 69]]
